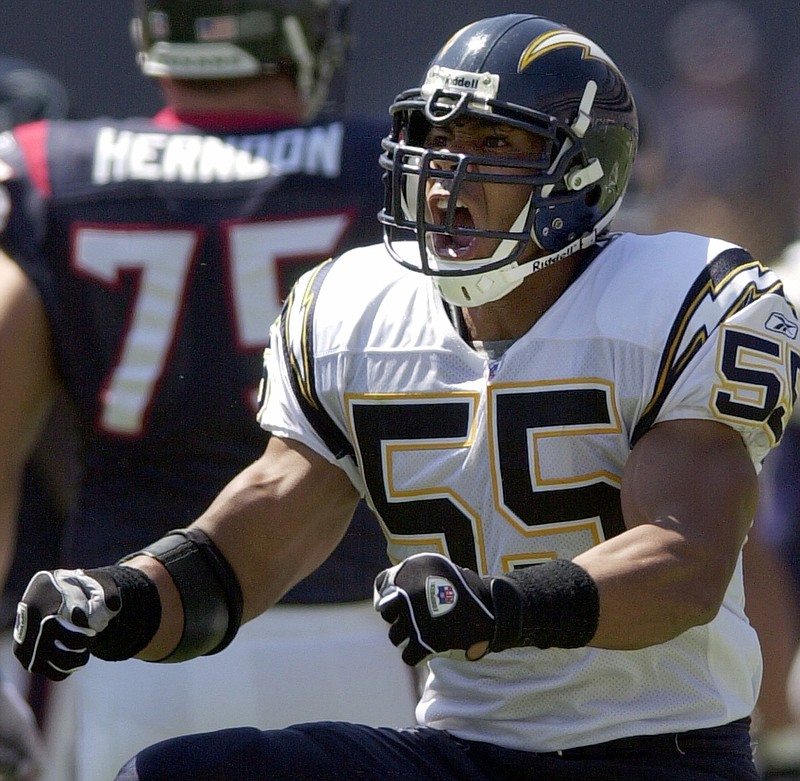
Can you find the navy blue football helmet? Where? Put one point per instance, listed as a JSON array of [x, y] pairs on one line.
[[531, 73]]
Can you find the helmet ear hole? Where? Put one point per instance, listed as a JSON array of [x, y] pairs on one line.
[[592, 197]]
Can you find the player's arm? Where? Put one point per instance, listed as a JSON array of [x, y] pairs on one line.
[[28, 384], [274, 523], [186, 594], [689, 493]]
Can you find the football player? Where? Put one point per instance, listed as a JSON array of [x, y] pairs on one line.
[[775, 603], [558, 426], [28, 94], [154, 253]]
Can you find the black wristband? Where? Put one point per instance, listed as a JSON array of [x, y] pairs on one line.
[[139, 612], [547, 605]]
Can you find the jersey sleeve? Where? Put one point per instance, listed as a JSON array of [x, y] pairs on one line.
[[732, 354], [23, 208], [290, 406]]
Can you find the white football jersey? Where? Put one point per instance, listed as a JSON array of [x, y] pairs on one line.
[[505, 463]]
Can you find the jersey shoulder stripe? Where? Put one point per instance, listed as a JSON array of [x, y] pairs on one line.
[[297, 318], [726, 285]]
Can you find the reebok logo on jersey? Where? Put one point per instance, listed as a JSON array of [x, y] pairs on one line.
[[442, 596], [780, 324]]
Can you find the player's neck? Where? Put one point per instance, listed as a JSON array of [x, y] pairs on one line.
[[262, 96], [517, 312]]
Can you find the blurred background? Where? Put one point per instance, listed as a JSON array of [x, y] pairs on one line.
[[724, 73], [717, 83]]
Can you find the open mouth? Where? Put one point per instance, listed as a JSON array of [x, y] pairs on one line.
[[449, 245]]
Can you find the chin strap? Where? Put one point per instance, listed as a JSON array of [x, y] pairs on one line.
[[304, 61], [578, 128]]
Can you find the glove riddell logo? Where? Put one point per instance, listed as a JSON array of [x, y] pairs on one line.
[[21, 624], [442, 595]]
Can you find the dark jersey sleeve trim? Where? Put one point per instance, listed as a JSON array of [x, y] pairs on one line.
[[681, 346], [301, 367]]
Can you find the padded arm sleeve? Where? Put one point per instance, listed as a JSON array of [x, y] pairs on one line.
[[208, 587]]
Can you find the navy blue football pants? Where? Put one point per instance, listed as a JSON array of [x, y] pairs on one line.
[[335, 751]]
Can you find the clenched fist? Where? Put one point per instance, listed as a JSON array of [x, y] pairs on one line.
[[59, 615], [434, 605]]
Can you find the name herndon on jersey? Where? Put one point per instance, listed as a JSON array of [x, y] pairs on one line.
[[125, 155]]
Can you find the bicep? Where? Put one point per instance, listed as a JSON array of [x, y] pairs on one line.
[[695, 471], [279, 519], [688, 497]]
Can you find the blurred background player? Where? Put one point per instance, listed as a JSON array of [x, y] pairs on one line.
[[717, 106], [774, 597], [27, 94], [156, 253]]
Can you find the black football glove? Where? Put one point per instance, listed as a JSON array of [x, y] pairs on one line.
[[433, 606], [58, 618]]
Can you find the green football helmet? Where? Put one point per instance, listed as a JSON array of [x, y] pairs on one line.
[[221, 39]]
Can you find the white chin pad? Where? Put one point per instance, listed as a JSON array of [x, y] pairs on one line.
[[480, 289]]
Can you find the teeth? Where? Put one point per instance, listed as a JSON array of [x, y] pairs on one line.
[[441, 203]]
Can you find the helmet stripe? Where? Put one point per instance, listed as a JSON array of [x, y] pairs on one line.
[[561, 39]]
